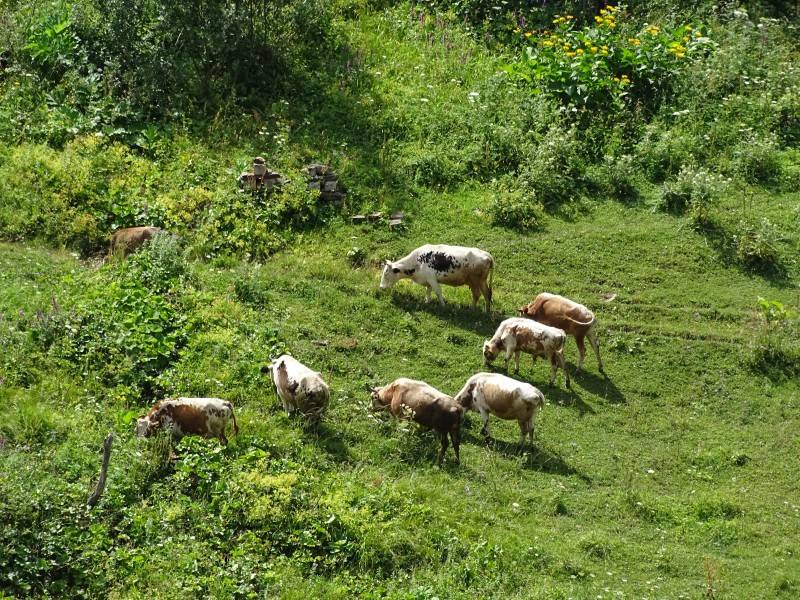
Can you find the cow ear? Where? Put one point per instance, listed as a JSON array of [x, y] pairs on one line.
[[395, 270]]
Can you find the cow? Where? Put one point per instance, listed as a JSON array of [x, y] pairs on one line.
[[504, 397], [129, 240], [207, 417], [431, 265], [299, 388], [575, 319], [518, 334], [408, 398]]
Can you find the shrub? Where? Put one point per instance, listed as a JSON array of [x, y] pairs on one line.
[[756, 160], [756, 246], [694, 189], [618, 177], [515, 208], [160, 265], [602, 65], [663, 150], [776, 352]]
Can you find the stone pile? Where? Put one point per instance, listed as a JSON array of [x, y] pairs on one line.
[[260, 179], [322, 178]]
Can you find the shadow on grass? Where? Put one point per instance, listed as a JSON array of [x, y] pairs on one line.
[[329, 441], [535, 458], [723, 242], [598, 385], [460, 315]]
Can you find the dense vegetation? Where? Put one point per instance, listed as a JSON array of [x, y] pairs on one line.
[[642, 160]]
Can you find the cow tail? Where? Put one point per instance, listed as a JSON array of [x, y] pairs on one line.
[[491, 276], [588, 323]]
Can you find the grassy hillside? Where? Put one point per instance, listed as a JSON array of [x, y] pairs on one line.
[[674, 476]]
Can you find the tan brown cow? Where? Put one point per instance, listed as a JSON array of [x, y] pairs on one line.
[[207, 417], [129, 240], [411, 399], [504, 397], [516, 335], [575, 319]]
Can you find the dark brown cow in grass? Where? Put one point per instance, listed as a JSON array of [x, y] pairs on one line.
[[129, 240], [424, 404]]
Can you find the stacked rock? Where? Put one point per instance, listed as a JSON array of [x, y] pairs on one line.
[[322, 178]]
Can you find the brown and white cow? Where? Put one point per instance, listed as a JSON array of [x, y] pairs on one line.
[[504, 397], [207, 417], [299, 388], [129, 240], [516, 335], [431, 265], [411, 399], [575, 319]]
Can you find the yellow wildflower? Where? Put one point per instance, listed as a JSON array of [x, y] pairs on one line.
[[517, 30], [688, 27], [593, 49], [697, 34], [686, 38], [528, 34], [579, 50], [566, 46], [598, 20], [570, 54], [634, 41], [547, 43]]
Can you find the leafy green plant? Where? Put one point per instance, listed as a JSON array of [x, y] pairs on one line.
[[602, 65], [695, 189], [776, 351], [756, 246], [515, 208]]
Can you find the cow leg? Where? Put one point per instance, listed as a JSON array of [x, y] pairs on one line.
[[223, 440], [443, 438], [487, 295], [581, 350], [476, 294], [438, 290], [485, 424], [523, 431], [427, 293], [592, 335], [562, 364], [455, 437], [516, 360]]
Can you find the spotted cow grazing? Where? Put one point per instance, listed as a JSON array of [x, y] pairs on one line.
[[575, 319], [424, 404], [299, 388], [431, 265], [516, 335], [129, 240], [509, 399], [207, 417]]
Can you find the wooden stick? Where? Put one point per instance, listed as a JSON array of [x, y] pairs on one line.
[[101, 483]]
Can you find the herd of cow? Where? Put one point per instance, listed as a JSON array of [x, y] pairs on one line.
[[540, 330]]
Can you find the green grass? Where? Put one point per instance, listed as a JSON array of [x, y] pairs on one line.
[[681, 460]]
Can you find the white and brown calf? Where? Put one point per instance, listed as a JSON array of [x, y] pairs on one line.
[[299, 388], [516, 335], [416, 400], [129, 240], [432, 265], [575, 319], [207, 417], [504, 397]]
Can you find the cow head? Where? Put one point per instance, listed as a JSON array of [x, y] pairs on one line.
[[145, 427], [527, 311], [375, 396], [391, 274], [490, 352]]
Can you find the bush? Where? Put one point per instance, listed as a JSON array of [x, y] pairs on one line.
[[756, 160], [515, 208], [776, 352], [693, 189], [618, 177], [756, 246], [553, 168], [606, 65], [662, 151]]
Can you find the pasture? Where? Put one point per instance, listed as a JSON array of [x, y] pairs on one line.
[[674, 476]]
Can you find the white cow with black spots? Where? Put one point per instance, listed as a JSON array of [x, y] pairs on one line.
[[431, 265]]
